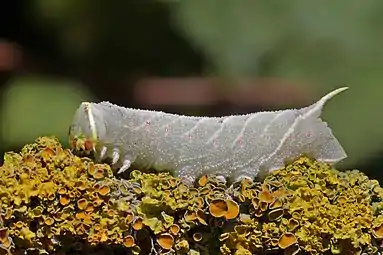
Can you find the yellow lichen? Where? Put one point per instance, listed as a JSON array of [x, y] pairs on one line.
[[54, 201], [47, 192], [316, 209]]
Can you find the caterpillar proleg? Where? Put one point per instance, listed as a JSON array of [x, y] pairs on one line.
[[234, 147]]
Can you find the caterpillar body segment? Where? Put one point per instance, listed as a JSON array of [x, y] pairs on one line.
[[233, 147]]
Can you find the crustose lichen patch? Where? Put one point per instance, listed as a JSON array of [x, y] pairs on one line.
[[54, 202]]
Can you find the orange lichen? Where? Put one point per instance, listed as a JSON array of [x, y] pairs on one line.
[[286, 240], [232, 209], [62, 190], [174, 229], [4, 234], [54, 201], [64, 200], [82, 204], [52, 195], [309, 207], [99, 174], [49, 221], [378, 232], [166, 241], [138, 224], [104, 190], [190, 216], [203, 180], [218, 208], [266, 196], [129, 241]]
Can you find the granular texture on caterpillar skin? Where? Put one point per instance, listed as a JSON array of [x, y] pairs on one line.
[[234, 147], [54, 202]]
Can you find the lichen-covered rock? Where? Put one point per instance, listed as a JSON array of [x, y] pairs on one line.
[[54, 202], [309, 207], [51, 198]]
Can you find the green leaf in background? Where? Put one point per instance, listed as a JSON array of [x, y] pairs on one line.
[[34, 106]]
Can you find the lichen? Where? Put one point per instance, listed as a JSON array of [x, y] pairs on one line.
[[55, 202], [309, 207], [52, 200]]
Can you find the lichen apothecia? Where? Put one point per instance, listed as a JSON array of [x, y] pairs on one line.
[[55, 202]]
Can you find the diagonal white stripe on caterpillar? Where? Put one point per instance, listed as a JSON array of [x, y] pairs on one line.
[[235, 147]]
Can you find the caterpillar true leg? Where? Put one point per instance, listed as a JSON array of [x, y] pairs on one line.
[[115, 156], [187, 175], [237, 183], [103, 151], [125, 165], [242, 177], [188, 180], [222, 179]]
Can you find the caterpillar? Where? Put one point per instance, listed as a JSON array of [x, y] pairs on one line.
[[233, 147]]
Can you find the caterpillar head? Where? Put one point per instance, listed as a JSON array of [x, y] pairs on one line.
[[86, 128]]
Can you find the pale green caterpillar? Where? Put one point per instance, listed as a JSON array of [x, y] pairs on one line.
[[234, 147]]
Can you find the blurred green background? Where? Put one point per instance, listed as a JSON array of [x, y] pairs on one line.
[[56, 53]]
